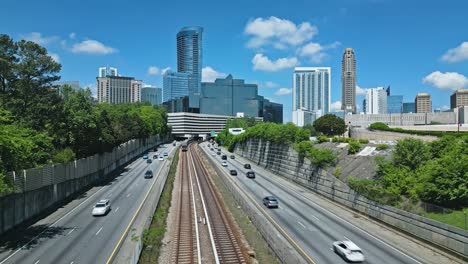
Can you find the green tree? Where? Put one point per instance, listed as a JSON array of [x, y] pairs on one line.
[[330, 125], [411, 153]]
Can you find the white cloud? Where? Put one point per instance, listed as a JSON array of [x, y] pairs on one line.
[[38, 38], [163, 71], [210, 75], [153, 70], [360, 91], [55, 57], [445, 108], [336, 106], [263, 63], [72, 35], [92, 47], [271, 100], [269, 84], [279, 32], [459, 53], [315, 51], [283, 91], [447, 80]]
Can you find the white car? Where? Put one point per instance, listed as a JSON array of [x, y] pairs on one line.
[[224, 164], [348, 250], [102, 207], [161, 158]]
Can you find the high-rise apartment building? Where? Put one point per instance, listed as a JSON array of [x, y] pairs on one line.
[[107, 71], [152, 95], [311, 90], [376, 101], [118, 89], [423, 103], [459, 98], [348, 81]]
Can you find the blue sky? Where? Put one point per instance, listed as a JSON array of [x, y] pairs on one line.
[[414, 46]]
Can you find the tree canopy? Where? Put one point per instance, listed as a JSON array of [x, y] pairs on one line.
[[330, 125]]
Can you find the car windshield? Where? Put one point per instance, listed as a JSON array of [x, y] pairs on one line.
[[356, 252], [100, 205]]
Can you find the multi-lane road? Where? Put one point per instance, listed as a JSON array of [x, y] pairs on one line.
[[72, 235], [314, 222]]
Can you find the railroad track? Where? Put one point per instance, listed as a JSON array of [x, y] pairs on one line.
[[228, 246], [185, 245]]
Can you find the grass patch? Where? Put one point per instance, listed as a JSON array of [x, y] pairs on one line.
[[455, 218], [152, 237]]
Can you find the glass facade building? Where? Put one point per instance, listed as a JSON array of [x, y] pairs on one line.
[[394, 104], [311, 89], [189, 60], [152, 95], [409, 107], [228, 97], [178, 84], [107, 71]]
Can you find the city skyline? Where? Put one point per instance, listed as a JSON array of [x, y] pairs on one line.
[[263, 46]]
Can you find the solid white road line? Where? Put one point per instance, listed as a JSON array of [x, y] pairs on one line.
[[117, 209], [315, 217], [128, 195], [97, 233], [37, 262], [52, 225]]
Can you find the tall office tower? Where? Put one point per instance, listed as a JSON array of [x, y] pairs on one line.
[[459, 98], [311, 91], [151, 94], [189, 60], [348, 81], [118, 90], [376, 101], [107, 71], [423, 103], [177, 85]]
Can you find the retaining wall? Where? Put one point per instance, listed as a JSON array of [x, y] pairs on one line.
[[284, 161], [360, 133], [40, 189]]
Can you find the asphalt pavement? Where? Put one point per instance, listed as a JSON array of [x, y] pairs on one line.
[[77, 236], [313, 226]]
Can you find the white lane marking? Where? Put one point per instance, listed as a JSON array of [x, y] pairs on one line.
[[71, 231], [315, 217], [347, 238], [301, 224], [128, 195], [52, 225], [117, 209], [331, 249], [110, 194], [37, 262], [99, 231], [72, 262]]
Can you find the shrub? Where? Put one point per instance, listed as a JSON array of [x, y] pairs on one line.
[[323, 138], [379, 126], [64, 156], [382, 146], [363, 141], [354, 147]]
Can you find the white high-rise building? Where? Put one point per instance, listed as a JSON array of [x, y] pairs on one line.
[[118, 90], [348, 81], [107, 71], [311, 94], [376, 101]]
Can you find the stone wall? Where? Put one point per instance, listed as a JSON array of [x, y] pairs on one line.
[[284, 161], [361, 133]]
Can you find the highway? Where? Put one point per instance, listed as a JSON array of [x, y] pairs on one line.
[[77, 236], [314, 227]]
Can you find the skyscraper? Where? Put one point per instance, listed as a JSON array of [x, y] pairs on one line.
[[348, 81], [311, 91], [107, 71], [376, 101], [118, 89], [423, 103], [189, 60], [177, 84]]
